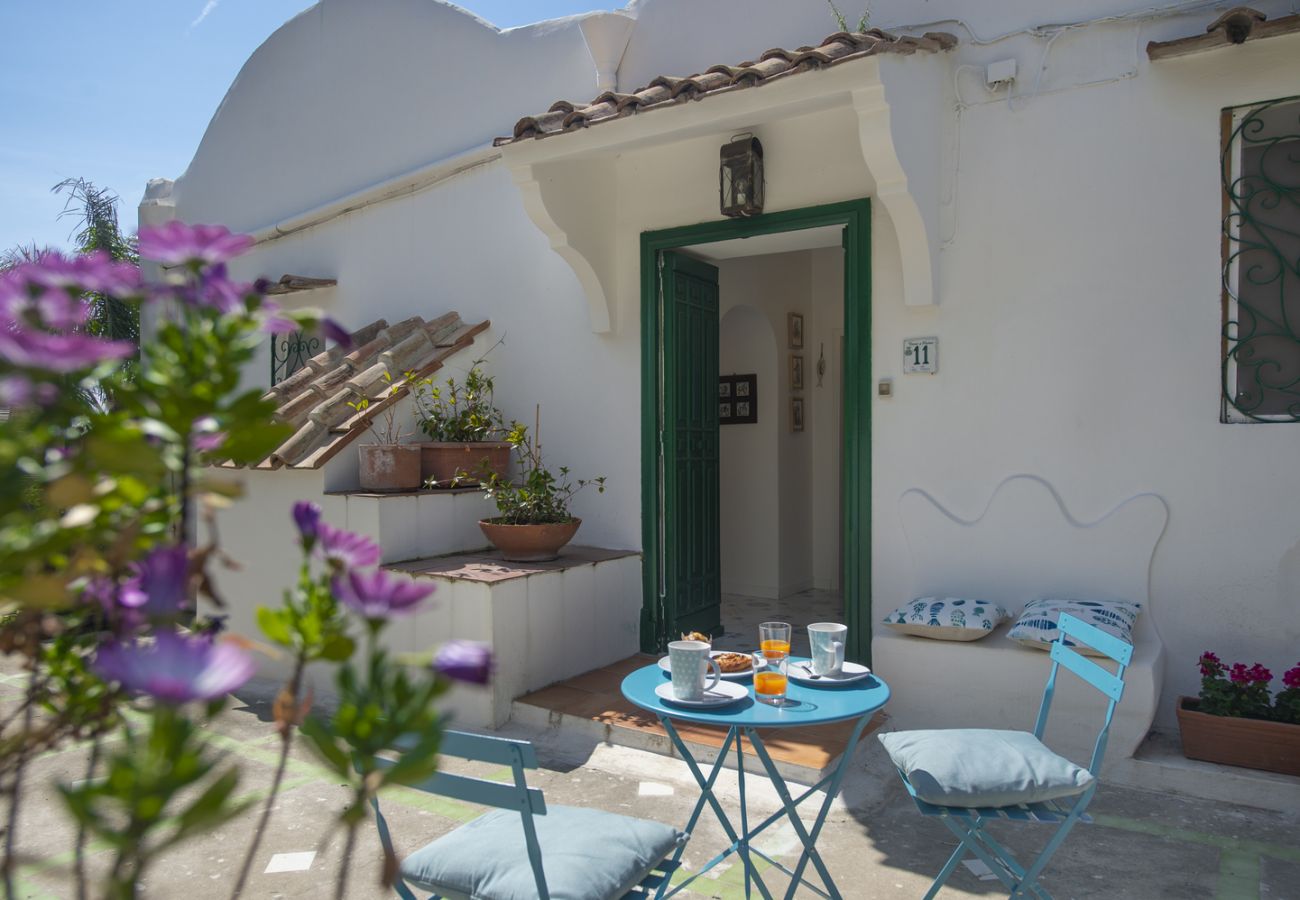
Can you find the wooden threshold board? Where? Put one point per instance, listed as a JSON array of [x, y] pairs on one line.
[[596, 696]]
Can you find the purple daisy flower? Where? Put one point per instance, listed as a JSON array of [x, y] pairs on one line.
[[306, 515], [175, 669], [346, 548], [62, 353], [378, 594], [176, 243], [468, 661], [158, 588]]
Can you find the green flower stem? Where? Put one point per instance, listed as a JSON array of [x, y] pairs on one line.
[[341, 883], [79, 851], [294, 689]]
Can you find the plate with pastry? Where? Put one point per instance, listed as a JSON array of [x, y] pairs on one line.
[[734, 666]]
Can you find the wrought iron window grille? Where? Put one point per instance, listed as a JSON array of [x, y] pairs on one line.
[[290, 352], [1260, 170]]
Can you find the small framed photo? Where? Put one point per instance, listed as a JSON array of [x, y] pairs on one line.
[[737, 399], [796, 371], [796, 413], [795, 327]]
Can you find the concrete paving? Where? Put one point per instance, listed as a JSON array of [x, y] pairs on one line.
[[1144, 845]]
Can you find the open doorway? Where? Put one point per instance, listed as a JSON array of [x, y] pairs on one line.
[[763, 512], [780, 333]]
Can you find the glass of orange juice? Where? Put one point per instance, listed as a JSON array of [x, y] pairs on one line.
[[770, 681], [774, 640]]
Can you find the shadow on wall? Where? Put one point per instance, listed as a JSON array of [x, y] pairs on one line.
[[749, 518]]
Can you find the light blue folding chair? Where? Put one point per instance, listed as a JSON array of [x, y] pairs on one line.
[[524, 849], [968, 777]]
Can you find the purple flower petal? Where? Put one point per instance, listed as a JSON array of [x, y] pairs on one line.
[[306, 515], [379, 594], [60, 353], [346, 548], [175, 669], [159, 587], [176, 243], [336, 333], [467, 661]]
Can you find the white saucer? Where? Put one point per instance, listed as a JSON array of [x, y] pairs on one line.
[[723, 693], [802, 673], [726, 676]]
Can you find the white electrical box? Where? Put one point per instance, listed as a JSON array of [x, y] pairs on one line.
[[1001, 72]]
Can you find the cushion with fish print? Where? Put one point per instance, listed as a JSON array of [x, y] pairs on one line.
[[947, 618], [1036, 626]]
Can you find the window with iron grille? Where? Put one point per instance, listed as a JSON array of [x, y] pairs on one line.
[[290, 352], [1261, 262]]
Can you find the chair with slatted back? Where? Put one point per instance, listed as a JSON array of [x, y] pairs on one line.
[[525, 849], [969, 777]]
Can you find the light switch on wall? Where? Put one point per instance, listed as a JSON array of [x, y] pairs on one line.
[[885, 388]]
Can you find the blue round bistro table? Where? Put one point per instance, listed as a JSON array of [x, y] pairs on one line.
[[805, 705]]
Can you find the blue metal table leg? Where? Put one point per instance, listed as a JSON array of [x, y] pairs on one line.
[[706, 796], [744, 815], [808, 836]]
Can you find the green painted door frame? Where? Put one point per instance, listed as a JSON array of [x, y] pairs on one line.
[[855, 217]]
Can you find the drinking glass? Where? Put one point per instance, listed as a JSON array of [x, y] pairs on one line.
[[774, 640], [770, 681]]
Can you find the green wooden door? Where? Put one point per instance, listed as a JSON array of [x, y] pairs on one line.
[[691, 554]]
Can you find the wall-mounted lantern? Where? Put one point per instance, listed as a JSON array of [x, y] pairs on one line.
[[740, 176]]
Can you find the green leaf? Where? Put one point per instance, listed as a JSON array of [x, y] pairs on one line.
[[274, 623], [320, 740], [337, 648], [210, 807]]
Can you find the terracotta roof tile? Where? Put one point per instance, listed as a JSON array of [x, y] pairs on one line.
[[564, 116], [317, 399], [1236, 26]]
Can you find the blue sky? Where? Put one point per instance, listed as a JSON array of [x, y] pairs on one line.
[[119, 92]]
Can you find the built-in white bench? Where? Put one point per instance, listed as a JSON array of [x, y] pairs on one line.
[[1023, 546]]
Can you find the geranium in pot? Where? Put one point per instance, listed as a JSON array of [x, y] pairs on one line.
[[387, 465], [1234, 722], [533, 521], [465, 430]]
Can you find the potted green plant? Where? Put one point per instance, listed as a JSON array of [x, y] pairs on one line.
[[533, 521], [1235, 722], [387, 465], [464, 430]]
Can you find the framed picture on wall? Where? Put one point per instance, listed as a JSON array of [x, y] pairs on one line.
[[795, 326], [737, 399], [796, 413], [796, 371]]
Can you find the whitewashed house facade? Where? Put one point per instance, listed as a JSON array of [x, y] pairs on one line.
[[1060, 232]]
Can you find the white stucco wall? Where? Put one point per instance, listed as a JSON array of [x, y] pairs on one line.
[[1077, 257]]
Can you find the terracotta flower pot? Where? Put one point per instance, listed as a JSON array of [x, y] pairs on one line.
[[442, 460], [529, 543], [389, 467], [1234, 741]]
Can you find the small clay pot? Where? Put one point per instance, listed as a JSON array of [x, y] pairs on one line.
[[529, 543], [441, 460], [389, 467]]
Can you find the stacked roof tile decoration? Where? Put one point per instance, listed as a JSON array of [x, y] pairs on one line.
[[667, 90], [315, 399]]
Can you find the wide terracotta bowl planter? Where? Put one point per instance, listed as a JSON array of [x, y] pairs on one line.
[[1234, 741], [529, 543], [389, 467], [441, 460]]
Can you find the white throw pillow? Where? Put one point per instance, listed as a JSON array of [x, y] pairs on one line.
[[1036, 626], [947, 618]]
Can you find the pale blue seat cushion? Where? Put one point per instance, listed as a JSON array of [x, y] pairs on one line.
[[587, 854], [981, 767]]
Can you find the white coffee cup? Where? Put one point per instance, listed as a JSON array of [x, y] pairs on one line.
[[827, 642], [689, 663]]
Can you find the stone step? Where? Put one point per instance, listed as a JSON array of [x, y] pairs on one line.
[[410, 525]]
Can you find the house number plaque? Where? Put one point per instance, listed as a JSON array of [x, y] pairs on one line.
[[920, 355]]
